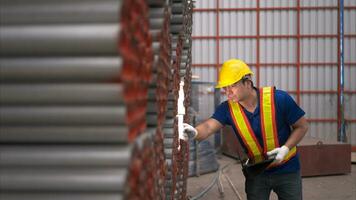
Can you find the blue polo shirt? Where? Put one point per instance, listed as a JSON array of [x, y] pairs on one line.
[[287, 113]]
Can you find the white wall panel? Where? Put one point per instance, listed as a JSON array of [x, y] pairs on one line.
[[350, 50], [318, 22], [277, 50], [318, 3], [350, 22], [282, 77], [204, 51], [351, 133], [320, 105], [318, 50], [241, 23], [350, 106], [277, 3], [318, 78], [350, 71], [238, 48], [323, 130], [349, 2], [278, 22], [205, 3], [350, 80], [206, 25], [204, 74], [237, 4]]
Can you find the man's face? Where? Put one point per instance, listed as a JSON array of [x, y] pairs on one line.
[[235, 92]]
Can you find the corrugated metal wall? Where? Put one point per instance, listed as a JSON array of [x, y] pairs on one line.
[[290, 44]]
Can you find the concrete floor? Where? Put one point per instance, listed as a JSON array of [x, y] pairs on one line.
[[336, 187]]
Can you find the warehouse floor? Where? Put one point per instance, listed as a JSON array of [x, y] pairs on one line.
[[336, 187]]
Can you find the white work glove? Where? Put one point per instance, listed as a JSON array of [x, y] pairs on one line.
[[189, 132], [280, 153]]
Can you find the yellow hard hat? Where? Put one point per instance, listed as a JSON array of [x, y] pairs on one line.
[[232, 71]]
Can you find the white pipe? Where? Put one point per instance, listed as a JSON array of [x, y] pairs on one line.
[[181, 112]]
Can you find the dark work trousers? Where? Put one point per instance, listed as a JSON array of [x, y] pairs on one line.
[[286, 186]]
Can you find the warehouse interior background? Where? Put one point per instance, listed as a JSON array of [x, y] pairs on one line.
[[90, 90], [293, 45]]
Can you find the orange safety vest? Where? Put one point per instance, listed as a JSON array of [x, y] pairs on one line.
[[268, 127]]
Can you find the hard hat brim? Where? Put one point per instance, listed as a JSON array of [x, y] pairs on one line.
[[221, 85]]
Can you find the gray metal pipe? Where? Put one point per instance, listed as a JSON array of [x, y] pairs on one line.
[[341, 79], [156, 34], [156, 2], [168, 142], [64, 11], [169, 163], [183, 65], [183, 58], [151, 119], [55, 69], [64, 155], [68, 134], [168, 153], [47, 40], [183, 52], [152, 95], [152, 108], [169, 133], [156, 23], [156, 47], [177, 19], [176, 28], [187, 45], [60, 196], [65, 115], [59, 94], [157, 12], [168, 124], [62, 180], [178, 8]]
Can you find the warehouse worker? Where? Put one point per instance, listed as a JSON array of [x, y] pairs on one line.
[[267, 122]]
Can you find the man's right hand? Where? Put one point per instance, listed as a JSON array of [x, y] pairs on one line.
[[189, 132]]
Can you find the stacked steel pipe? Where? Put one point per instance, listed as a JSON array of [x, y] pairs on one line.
[[159, 87], [143, 168], [89, 97], [135, 47], [70, 102], [181, 23]]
